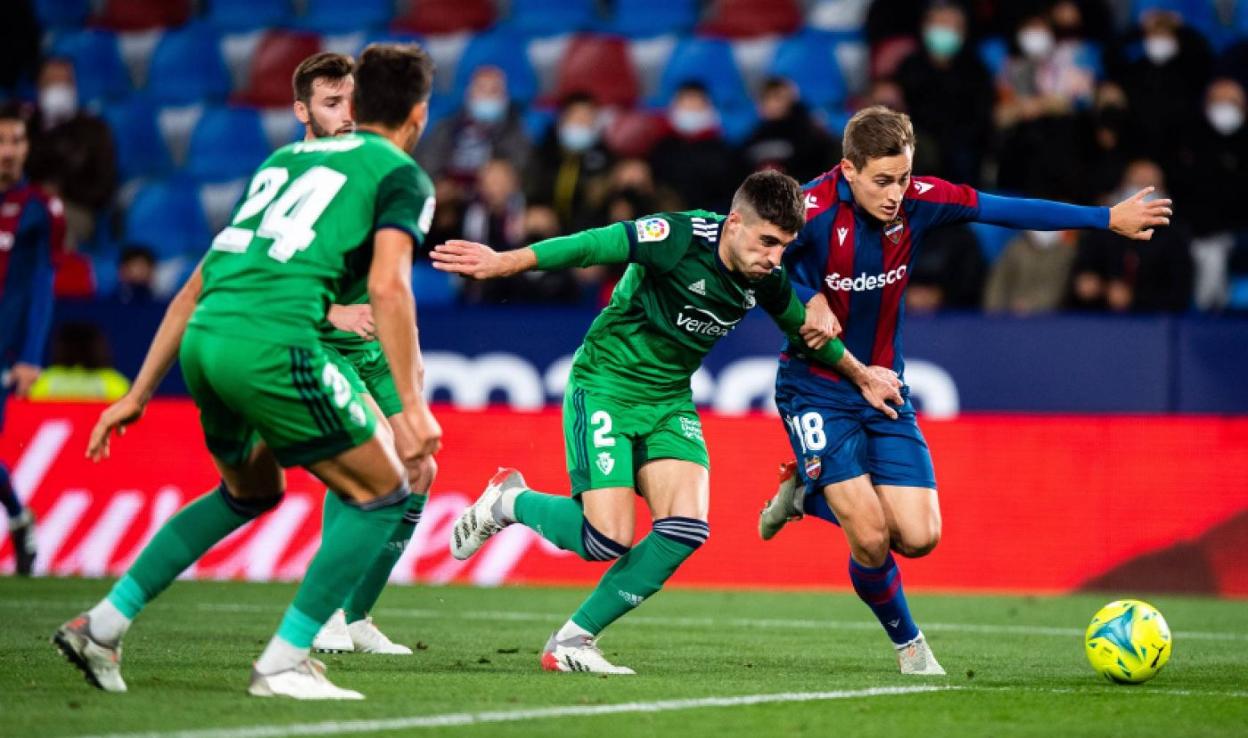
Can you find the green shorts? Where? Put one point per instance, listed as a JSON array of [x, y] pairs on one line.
[[293, 397], [607, 440], [370, 375]]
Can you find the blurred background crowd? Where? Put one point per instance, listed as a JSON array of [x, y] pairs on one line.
[[551, 116]]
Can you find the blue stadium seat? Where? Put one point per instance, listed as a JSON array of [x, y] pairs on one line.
[[643, 18], [504, 50], [809, 60], [166, 216], [1238, 293], [98, 67], [341, 16], [245, 15], [710, 62], [993, 51], [187, 67], [431, 287], [62, 13], [550, 17], [141, 150], [227, 143], [1199, 14]]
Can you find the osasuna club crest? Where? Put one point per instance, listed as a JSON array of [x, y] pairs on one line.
[[893, 230], [605, 462]]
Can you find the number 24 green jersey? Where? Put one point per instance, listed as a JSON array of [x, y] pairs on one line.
[[303, 234]]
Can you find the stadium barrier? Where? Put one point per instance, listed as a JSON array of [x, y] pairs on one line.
[[1030, 503]]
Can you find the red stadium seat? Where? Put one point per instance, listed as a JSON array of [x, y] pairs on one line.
[[446, 16], [887, 55], [74, 276], [599, 66], [279, 52], [633, 133], [746, 18], [140, 15]]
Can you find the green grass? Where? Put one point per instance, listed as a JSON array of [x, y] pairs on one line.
[[1016, 665]]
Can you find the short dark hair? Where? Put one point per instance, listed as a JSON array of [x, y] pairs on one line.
[[13, 110], [326, 65], [876, 132], [389, 80], [694, 87], [132, 251], [773, 196]]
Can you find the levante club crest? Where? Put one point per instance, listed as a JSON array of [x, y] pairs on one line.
[[893, 230], [814, 465]]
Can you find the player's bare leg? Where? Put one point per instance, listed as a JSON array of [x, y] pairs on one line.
[[860, 509], [913, 515]]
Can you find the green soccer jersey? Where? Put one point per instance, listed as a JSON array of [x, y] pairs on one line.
[[676, 299], [303, 234]]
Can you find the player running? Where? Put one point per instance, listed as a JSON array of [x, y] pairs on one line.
[[32, 231], [628, 416], [865, 220], [317, 215]]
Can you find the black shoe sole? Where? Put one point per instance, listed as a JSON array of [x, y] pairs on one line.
[[67, 650]]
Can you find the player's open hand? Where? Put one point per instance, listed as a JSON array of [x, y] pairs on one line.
[[468, 258], [1136, 217], [114, 419], [880, 387], [821, 325], [357, 319]]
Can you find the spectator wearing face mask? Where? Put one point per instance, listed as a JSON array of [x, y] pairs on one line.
[[72, 152], [693, 159], [1120, 275], [568, 171], [787, 137], [1164, 84], [1041, 86], [949, 93], [1031, 275], [1109, 140], [488, 126]]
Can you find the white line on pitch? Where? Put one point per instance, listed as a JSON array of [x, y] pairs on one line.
[[343, 727]]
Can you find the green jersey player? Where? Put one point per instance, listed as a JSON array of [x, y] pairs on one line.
[[317, 215], [629, 421]]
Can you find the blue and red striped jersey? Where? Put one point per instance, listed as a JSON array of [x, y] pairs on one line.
[[32, 237]]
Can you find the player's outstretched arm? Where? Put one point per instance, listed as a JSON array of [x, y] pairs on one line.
[[161, 354], [478, 261], [1136, 217], [606, 245], [394, 311]]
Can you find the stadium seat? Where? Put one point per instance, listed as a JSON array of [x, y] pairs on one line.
[[505, 51], [708, 61], [337, 16], [633, 133], [217, 200], [62, 13], [277, 55], [242, 15], [550, 17], [887, 55], [643, 18], [746, 18], [1199, 14], [600, 66], [187, 67], [431, 287], [98, 67], [809, 61], [141, 150], [538, 121], [142, 15], [227, 143], [446, 16], [74, 276], [993, 51], [166, 217]]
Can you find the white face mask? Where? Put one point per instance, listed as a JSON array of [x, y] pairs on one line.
[[692, 122], [1045, 239], [1160, 49], [58, 103], [1225, 117], [1036, 43]]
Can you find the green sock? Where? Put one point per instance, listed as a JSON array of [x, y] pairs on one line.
[[348, 548], [177, 545], [558, 519], [361, 600], [634, 577]]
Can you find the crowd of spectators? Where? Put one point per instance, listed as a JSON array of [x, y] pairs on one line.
[[1075, 100]]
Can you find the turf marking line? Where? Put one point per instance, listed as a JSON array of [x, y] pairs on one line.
[[345, 727]]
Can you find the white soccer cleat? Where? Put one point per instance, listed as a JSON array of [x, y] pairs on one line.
[[484, 517], [916, 657], [306, 681], [100, 664], [784, 506], [333, 636], [578, 653], [368, 639]]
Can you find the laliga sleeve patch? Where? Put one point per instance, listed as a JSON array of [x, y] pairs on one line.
[[652, 229], [425, 222]]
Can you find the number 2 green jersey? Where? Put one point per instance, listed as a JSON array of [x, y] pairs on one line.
[[676, 299], [303, 234]]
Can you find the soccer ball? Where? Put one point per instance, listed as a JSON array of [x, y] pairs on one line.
[[1128, 642]]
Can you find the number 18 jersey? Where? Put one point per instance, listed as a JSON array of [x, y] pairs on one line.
[[297, 237]]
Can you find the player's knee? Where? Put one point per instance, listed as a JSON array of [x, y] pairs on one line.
[[690, 532], [870, 547], [917, 545], [599, 546], [250, 503]]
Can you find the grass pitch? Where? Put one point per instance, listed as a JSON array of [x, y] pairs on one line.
[[709, 663]]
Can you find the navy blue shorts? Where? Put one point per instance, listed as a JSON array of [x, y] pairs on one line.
[[839, 438]]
